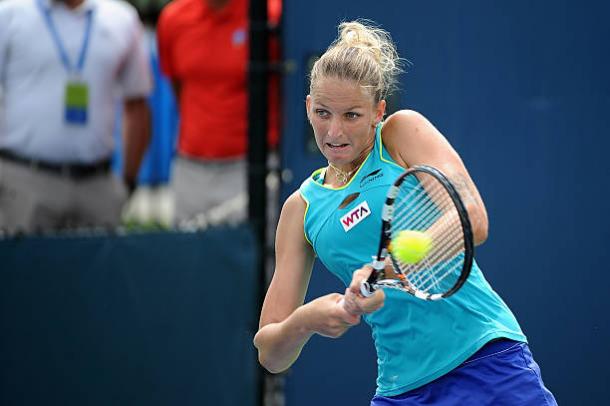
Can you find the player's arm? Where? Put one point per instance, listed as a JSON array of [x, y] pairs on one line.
[[412, 140], [286, 324]]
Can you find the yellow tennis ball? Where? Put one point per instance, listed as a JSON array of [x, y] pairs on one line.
[[410, 246]]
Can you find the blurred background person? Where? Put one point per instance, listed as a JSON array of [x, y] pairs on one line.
[[63, 66], [203, 50]]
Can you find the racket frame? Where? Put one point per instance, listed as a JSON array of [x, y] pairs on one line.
[[387, 215]]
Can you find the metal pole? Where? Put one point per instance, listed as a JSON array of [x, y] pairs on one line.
[[258, 70]]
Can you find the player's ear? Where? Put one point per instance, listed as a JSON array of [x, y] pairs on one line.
[[307, 106], [379, 112]]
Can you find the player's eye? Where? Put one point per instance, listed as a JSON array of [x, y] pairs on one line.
[[351, 115], [322, 113]]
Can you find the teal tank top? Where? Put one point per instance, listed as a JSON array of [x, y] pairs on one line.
[[416, 341]]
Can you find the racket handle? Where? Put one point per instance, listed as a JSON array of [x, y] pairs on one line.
[[366, 289]]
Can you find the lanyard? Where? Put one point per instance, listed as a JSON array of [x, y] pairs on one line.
[[46, 12]]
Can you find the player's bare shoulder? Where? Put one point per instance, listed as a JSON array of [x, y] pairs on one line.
[[404, 124], [292, 214], [401, 132], [410, 137], [295, 204]]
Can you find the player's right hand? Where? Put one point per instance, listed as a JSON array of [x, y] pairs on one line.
[[329, 317]]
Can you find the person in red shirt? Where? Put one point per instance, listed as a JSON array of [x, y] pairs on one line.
[[203, 50]]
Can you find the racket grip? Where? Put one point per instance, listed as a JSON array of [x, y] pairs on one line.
[[366, 289]]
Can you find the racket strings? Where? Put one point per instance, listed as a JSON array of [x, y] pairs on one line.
[[428, 278], [448, 244], [435, 268], [425, 204], [428, 207], [426, 216], [430, 197]]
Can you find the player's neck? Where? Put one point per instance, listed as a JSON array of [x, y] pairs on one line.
[[343, 174]]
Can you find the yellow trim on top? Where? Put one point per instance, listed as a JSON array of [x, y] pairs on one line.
[[305, 217], [317, 171], [328, 187], [381, 152]]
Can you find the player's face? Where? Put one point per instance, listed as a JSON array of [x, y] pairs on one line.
[[343, 116]]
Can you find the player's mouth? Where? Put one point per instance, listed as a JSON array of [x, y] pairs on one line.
[[336, 147]]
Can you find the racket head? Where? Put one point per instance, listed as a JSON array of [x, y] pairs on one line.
[[423, 200]]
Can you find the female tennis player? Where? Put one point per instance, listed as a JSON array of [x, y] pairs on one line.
[[467, 349]]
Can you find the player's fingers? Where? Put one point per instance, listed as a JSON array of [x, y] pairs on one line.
[[349, 302], [360, 276], [372, 303], [358, 305], [349, 313]]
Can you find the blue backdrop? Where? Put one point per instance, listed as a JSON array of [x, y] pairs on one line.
[[103, 319], [521, 90]]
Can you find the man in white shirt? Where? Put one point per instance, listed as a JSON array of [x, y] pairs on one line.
[[63, 66]]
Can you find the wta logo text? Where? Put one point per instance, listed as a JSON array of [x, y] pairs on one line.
[[355, 216]]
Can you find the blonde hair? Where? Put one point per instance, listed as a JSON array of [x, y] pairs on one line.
[[363, 53]]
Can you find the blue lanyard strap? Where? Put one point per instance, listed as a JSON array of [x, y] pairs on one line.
[[46, 12]]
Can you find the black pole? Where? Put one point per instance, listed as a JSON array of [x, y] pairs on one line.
[[257, 149]]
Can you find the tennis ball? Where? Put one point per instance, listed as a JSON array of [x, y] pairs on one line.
[[410, 246]]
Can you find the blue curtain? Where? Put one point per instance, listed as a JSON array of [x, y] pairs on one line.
[[156, 165]]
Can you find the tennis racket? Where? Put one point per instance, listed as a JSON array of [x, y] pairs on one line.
[[422, 199]]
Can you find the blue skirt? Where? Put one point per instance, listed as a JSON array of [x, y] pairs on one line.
[[503, 372]]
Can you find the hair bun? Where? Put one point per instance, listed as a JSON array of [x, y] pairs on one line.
[[362, 52]]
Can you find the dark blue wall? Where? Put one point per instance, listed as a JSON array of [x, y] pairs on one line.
[[522, 92], [156, 319]]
